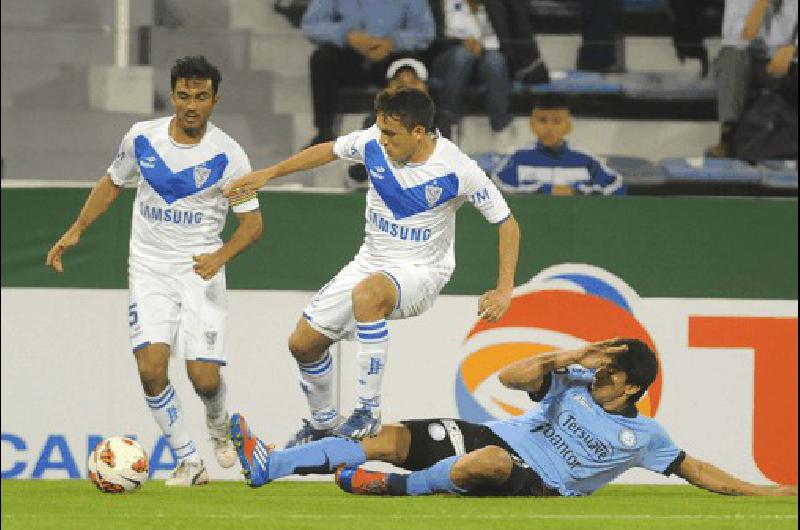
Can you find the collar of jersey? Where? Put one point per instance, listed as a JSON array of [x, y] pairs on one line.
[[173, 185], [405, 202]]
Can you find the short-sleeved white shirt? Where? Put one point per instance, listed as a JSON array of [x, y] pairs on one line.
[[179, 210], [411, 208]]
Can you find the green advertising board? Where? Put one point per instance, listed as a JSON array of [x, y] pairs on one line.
[[662, 247]]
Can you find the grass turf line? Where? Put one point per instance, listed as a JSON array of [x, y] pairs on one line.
[[76, 504]]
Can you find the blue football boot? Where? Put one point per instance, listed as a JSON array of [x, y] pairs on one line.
[[253, 453], [361, 424], [306, 434]]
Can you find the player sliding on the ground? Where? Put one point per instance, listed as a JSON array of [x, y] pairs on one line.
[[176, 267], [584, 432], [417, 182]]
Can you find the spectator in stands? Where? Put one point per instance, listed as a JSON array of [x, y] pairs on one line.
[[493, 36], [357, 40], [598, 51], [759, 42], [552, 166], [402, 73]]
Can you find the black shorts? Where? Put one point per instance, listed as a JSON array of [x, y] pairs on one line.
[[433, 440]]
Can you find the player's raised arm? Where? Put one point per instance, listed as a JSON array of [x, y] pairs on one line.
[[711, 478], [309, 158], [104, 193], [528, 374]]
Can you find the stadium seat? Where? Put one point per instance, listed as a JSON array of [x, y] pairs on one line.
[[779, 174], [636, 170], [710, 169], [573, 81]]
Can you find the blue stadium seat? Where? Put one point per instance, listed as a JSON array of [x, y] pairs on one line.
[[667, 85], [636, 170], [710, 170], [573, 81], [779, 174]]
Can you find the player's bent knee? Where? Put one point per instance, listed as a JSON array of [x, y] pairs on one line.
[[206, 387], [153, 376], [489, 464], [374, 298]]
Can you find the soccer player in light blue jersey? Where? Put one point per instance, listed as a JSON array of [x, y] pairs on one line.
[[584, 432], [417, 182]]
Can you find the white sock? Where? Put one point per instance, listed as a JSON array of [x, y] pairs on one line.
[[215, 407], [373, 338], [168, 413], [316, 381]]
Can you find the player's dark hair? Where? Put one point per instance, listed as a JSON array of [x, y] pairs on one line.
[[640, 365], [195, 67], [551, 102], [409, 105]]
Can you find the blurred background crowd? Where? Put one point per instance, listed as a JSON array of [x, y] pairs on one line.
[[550, 96]]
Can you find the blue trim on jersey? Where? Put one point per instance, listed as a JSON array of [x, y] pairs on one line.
[[140, 346], [405, 202], [504, 219], [172, 186], [596, 287]]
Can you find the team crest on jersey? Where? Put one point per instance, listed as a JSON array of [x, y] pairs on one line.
[[377, 172], [211, 338], [433, 194], [201, 174], [627, 437]]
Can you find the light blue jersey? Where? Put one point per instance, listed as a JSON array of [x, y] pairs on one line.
[[575, 446]]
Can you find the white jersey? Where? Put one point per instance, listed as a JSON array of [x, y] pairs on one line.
[[179, 209], [411, 208]]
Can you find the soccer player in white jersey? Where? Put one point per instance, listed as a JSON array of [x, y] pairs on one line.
[[417, 182], [176, 274], [584, 432]]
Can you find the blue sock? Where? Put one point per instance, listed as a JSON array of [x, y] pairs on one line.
[[323, 456], [435, 479]]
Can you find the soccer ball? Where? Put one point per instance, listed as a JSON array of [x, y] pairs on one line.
[[118, 465]]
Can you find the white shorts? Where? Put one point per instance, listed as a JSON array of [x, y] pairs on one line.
[[331, 310], [177, 307]]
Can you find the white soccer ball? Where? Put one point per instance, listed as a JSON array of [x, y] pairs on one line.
[[117, 465]]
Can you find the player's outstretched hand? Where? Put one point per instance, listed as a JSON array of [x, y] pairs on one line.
[[69, 239], [207, 265], [600, 354], [494, 304], [246, 184]]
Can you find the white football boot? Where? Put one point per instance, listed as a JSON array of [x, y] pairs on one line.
[[224, 451], [188, 474]]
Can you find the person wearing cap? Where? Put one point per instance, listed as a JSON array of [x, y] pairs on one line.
[[402, 73], [356, 40]]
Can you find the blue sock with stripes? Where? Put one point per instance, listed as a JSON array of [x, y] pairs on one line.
[[316, 381], [373, 339], [323, 456], [168, 413], [435, 479]]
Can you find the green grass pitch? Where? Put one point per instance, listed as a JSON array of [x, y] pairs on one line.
[[298, 505]]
